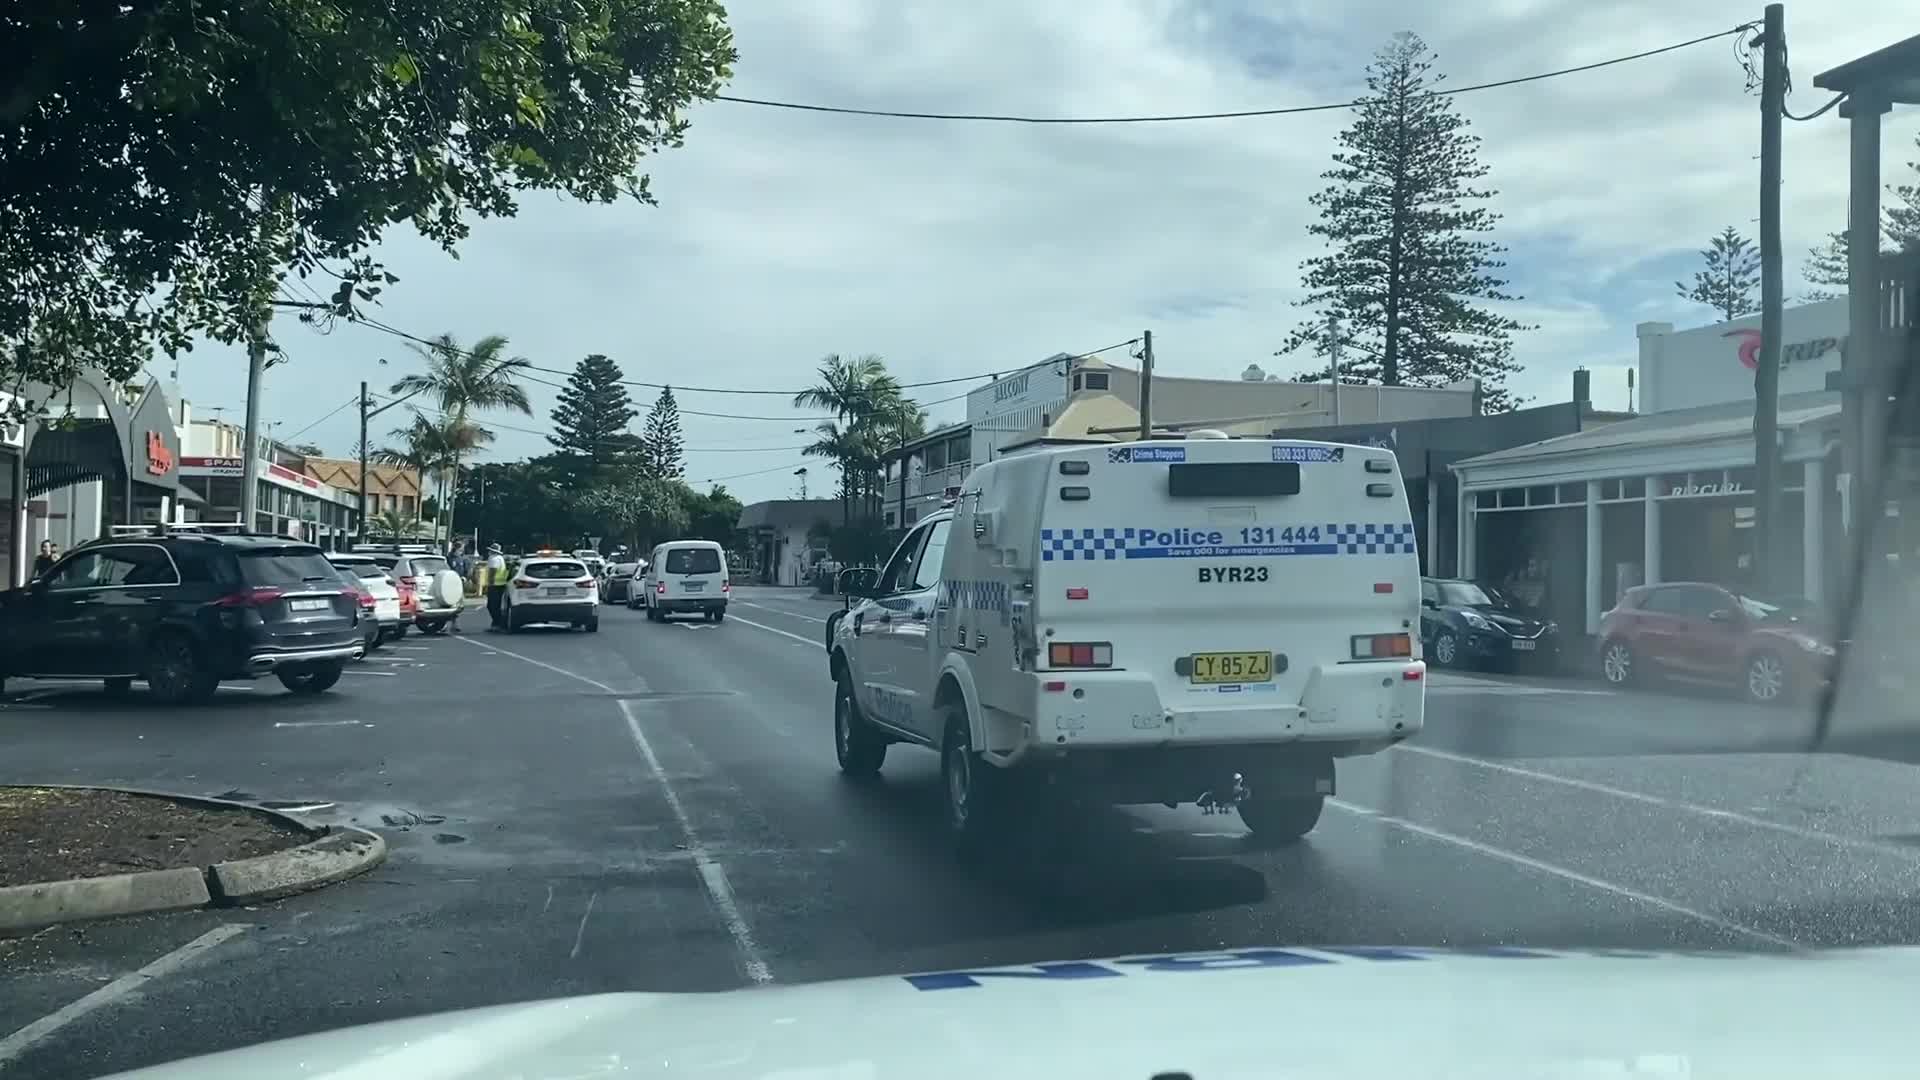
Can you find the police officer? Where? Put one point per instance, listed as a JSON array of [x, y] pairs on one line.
[[496, 585]]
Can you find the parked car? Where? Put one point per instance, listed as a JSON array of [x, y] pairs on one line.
[[370, 636], [617, 586], [181, 612], [1771, 650], [1465, 624], [388, 608], [413, 575]]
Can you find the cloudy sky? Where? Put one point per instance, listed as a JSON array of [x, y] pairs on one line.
[[953, 249]]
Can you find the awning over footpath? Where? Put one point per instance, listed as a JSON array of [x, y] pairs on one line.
[[1707, 437]]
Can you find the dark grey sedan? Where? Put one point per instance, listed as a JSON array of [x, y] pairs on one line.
[[617, 587]]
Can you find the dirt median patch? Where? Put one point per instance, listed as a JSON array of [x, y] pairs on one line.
[[50, 834]]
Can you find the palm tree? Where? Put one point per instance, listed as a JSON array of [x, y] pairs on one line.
[[465, 382], [395, 525], [870, 412], [430, 448]]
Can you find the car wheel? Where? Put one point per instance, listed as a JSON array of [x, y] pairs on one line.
[[1446, 648], [592, 625], [719, 614], [1617, 664], [400, 632], [312, 680], [1281, 819], [434, 627], [175, 675], [119, 687], [971, 786], [859, 748], [1767, 680]]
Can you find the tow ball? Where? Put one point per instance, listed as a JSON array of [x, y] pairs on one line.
[[1236, 792]]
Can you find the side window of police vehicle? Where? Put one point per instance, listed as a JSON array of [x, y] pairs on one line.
[[926, 569], [899, 571]]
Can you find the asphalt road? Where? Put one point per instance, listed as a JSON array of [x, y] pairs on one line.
[[657, 808]]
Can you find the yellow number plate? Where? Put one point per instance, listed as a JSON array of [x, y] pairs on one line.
[[1232, 667]]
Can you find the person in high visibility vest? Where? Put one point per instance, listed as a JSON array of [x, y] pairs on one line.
[[496, 585]]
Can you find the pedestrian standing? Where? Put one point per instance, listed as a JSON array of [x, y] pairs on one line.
[[496, 585], [44, 561]]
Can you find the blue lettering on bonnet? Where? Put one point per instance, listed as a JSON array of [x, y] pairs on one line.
[[1180, 542], [1242, 959]]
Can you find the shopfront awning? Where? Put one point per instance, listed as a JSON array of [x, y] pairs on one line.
[[1708, 437]]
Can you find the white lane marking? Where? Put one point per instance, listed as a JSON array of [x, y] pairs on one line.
[[21, 1041], [1858, 843], [1514, 857], [580, 934], [780, 611], [1488, 688], [782, 633], [712, 874], [595, 683], [319, 723], [374, 674], [549, 903], [410, 648]]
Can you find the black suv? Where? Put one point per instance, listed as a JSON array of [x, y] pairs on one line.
[[183, 611]]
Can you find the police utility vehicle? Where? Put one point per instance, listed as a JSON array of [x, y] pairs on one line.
[[1204, 620]]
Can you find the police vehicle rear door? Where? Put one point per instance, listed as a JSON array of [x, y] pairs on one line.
[[1204, 561]]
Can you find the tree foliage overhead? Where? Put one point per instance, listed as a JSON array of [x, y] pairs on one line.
[[663, 452], [164, 162], [1409, 274], [593, 414], [1729, 283]]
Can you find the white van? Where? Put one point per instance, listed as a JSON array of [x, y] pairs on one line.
[[1205, 620], [686, 575]]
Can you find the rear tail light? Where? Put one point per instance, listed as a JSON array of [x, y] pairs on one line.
[[585, 582], [365, 598], [525, 583], [258, 596], [660, 587], [1382, 646], [727, 585], [1079, 654]]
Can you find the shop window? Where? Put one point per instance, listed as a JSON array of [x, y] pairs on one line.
[[1633, 487], [1513, 497], [1540, 496], [1486, 500], [1609, 490]]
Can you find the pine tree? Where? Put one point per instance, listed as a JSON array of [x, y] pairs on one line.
[[1407, 256], [1731, 278], [1903, 220], [1826, 269], [594, 411], [661, 448]]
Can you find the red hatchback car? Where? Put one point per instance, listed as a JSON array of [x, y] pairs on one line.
[[1706, 633]]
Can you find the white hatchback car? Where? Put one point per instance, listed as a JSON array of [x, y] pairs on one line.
[[379, 584], [552, 589]]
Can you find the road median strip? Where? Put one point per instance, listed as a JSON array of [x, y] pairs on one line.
[[314, 857]]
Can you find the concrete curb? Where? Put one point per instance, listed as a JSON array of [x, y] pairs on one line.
[[333, 854], [335, 857]]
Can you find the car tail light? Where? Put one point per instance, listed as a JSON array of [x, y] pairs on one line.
[[525, 583], [1080, 654], [660, 587], [726, 586], [258, 596], [585, 582], [1382, 646], [365, 598]]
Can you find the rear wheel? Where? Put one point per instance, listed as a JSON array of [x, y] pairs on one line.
[[719, 614], [175, 675], [434, 627], [1281, 819], [400, 631], [312, 680], [1446, 648], [859, 748], [593, 625], [1767, 680], [974, 789]]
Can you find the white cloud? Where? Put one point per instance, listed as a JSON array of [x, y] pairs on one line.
[[953, 249]]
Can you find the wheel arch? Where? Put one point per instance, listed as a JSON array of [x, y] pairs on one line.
[[955, 687]]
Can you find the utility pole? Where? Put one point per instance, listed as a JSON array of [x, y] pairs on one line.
[[1333, 351], [250, 459], [361, 529], [1766, 377], [1146, 385]]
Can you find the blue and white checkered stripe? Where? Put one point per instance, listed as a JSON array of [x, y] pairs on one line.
[[1089, 544], [1373, 539]]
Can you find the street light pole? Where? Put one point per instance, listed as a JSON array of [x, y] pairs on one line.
[[250, 461]]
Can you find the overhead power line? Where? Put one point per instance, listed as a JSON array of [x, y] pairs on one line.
[[1233, 114]]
